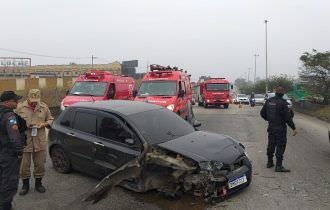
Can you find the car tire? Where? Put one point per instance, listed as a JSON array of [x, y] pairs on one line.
[[226, 106], [60, 160]]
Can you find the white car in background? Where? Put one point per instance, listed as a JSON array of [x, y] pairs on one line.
[[285, 97], [242, 98]]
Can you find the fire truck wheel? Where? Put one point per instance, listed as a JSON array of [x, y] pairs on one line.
[[226, 106], [205, 105]]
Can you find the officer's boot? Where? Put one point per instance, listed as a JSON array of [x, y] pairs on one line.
[[39, 186], [270, 162], [25, 187], [279, 167]]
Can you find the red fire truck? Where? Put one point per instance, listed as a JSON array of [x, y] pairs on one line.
[[168, 87], [100, 85], [214, 91]]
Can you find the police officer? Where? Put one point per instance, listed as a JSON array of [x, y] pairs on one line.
[[277, 113], [11, 147]]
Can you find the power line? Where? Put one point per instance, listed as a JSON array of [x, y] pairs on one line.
[[41, 55]]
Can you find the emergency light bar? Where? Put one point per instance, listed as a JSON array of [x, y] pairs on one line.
[[156, 67], [96, 74]]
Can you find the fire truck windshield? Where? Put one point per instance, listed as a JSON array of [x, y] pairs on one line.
[[88, 88], [157, 88], [217, 86]]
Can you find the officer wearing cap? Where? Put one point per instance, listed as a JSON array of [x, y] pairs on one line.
[[37, 116], [278, 115], [11, 146]]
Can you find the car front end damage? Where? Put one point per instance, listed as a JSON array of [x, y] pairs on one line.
[[174, 174]]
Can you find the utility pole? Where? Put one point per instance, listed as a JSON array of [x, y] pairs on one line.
[[266, 21], [93, 57], [255, 67]]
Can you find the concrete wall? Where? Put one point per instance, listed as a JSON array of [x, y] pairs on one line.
[[52, 89]]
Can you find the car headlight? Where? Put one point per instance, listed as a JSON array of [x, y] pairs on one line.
[[205, 165], [62, 106], [170, 107], [218, 165]]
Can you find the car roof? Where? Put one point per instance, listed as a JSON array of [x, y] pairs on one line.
[[124, 107]]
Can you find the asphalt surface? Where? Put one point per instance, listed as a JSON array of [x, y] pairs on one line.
[[306, 187]]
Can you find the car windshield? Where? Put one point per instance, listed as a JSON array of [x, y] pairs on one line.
[[161, 125], [88, 88], [217, 86], [241, 95], [158, 88]]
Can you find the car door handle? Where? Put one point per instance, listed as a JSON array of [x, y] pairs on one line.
[[70, 134], [99, 143]]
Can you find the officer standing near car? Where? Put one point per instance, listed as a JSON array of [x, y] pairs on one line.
[[38, 117], [11, 146], [278, 115]]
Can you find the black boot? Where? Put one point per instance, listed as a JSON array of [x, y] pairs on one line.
[[39, 186], [25, 188], [279, 167], [270, 163]]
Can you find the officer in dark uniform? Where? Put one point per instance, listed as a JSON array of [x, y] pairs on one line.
[[277, 113], [11, 146]]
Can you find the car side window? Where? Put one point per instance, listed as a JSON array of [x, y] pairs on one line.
[[110, 128], [85, 122], [66, 118]]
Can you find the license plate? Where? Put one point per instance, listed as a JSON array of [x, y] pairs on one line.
[[237, 182]]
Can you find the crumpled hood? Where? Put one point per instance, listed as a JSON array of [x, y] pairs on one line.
[[205, 146]]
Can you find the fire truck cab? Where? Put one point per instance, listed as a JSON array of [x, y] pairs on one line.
[[100, 85], [214, 91], [167, 87]]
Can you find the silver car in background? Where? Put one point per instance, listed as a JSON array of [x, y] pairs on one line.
[[259, 99]]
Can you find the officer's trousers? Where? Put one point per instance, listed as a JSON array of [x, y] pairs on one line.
[[39, 160], [276, 143], [9, 174]]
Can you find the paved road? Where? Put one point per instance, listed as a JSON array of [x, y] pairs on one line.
[[306, 187]]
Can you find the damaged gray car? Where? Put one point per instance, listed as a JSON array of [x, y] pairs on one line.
[[144, 147]]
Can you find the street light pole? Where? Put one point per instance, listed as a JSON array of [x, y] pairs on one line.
[[255, 67], [266, 21]]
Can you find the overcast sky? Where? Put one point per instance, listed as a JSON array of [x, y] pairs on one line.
[[206, 37]]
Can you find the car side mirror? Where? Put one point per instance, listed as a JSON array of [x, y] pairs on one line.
[[130, 141], [181, 93], [231, 86], [196, 123], [111, 94], [67, 92], [135, 93]]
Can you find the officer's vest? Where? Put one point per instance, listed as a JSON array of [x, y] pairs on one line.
[[272, 110], [4, 139]]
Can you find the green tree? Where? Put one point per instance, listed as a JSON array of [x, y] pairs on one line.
[[315, 73]]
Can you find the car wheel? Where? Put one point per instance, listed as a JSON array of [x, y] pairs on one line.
[[226, 106], [60, 160]]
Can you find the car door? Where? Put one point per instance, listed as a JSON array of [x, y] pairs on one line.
[[118, 144], [81, 138]]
